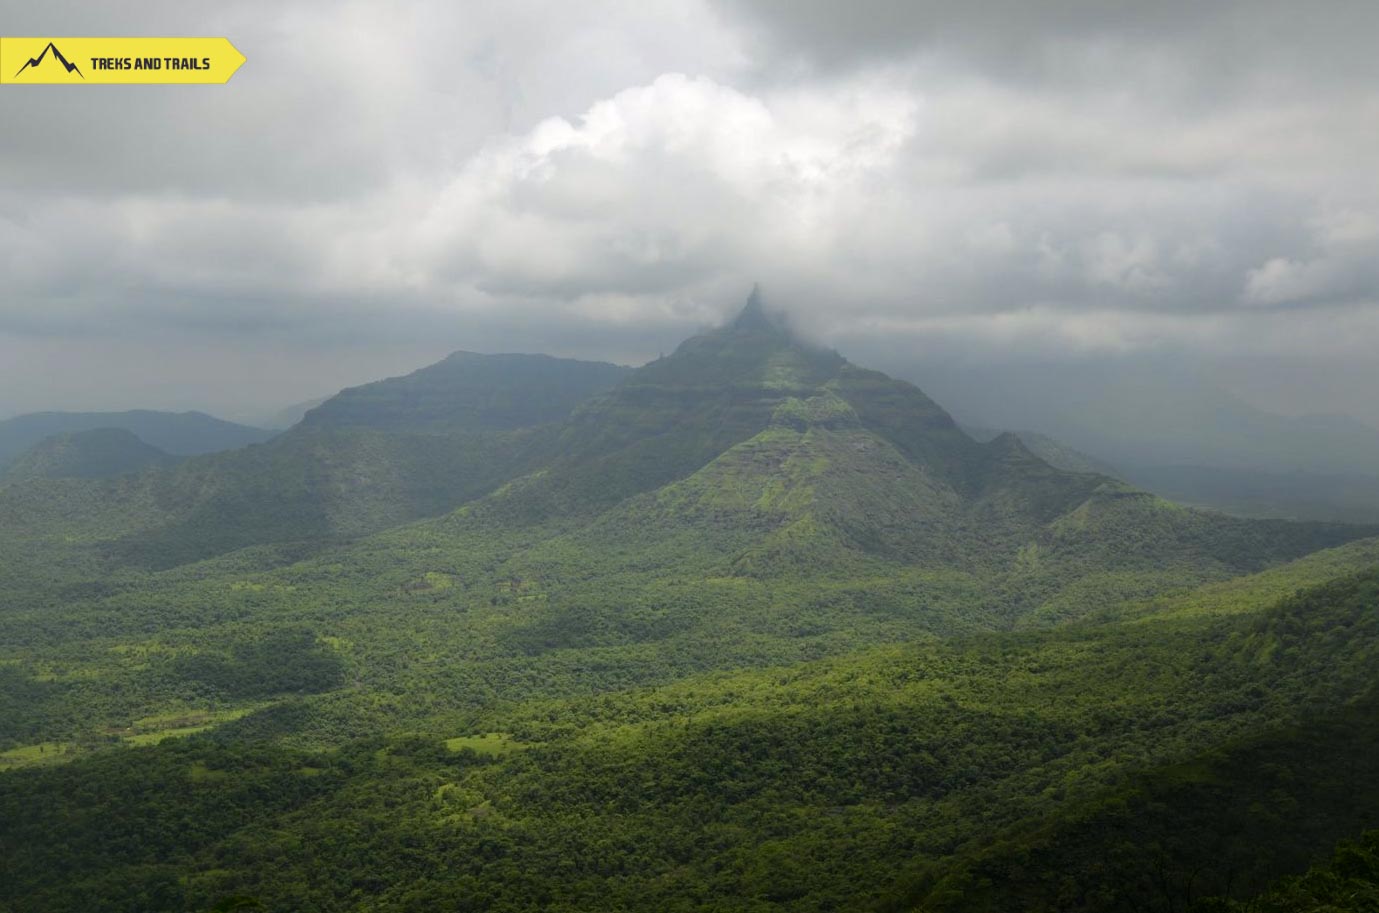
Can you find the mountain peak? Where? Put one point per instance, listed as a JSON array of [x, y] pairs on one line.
[[753, 317]]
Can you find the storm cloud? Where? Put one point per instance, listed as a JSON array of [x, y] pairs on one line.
[[998, 182]]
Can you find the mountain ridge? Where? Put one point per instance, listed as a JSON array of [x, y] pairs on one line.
[[468, 391]]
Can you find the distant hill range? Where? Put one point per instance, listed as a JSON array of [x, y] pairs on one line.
[[1151, 415], [1347, 498], [96, 454], [368, 458], [745, 444], [176, 433], [1051, 451], [472, 392]]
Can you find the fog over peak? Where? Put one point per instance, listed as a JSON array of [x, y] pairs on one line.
[[999, 183]]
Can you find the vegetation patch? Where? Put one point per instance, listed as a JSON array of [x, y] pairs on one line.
[[488, 745]]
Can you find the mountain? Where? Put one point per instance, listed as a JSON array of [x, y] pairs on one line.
[[307, 484], [1052, 451], [369, 458], [746, 448], [96, 454], [760, 455], [177, 433], [469, 392], [751, 628], [753, 378], [57, 55]]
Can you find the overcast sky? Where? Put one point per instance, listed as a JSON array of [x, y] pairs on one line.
[[1004, 182]]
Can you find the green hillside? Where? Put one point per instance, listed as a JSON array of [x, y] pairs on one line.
[[369, 458], [304, 485], [753, 629], [1221, 822]]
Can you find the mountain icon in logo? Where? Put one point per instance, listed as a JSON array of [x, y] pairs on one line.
[[35, 61]]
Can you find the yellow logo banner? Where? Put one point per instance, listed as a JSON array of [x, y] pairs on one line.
[[106, 61]]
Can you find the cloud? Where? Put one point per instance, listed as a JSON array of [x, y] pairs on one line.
[[661, 188], [995, 178], [1191, 50], [1341, 266]]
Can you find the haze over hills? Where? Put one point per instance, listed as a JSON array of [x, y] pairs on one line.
[[1256, 493], [749, 627], [177, 433], [1144, 415], [1240, 492], [286, 417], [95, 454], [1188, 441], [753, 381], [1052, 451]]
